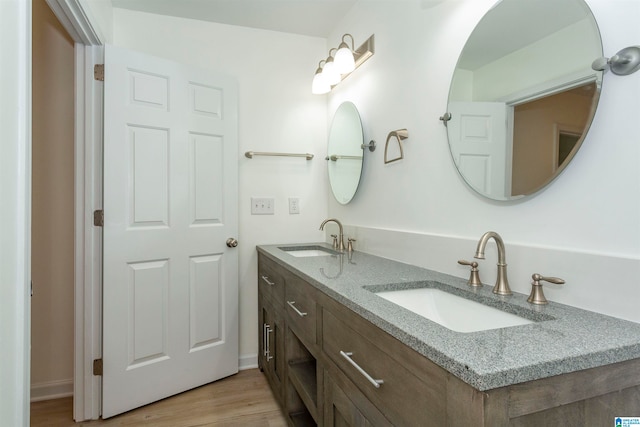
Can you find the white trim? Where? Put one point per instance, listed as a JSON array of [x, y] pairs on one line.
[[551, 87], [51, 390], [87, 388], [88, 243], [15, 211], [247, 361], [79, 365], [74, 19]]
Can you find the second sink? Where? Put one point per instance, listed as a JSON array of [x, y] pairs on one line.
[[308, 251], [451, 311]]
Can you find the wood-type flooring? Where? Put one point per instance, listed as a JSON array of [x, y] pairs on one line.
[[243, 399]]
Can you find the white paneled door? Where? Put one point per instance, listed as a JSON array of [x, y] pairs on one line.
[[480, 141], [170, 297]]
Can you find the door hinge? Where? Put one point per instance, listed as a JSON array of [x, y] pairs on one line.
[[97, 367], [98, 72], [98, 218]]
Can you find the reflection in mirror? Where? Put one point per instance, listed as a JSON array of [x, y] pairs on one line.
[[523, 95], [345, 152]]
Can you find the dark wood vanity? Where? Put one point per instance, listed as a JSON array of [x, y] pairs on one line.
[[329, 366]]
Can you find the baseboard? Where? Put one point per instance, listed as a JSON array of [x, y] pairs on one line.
[[51, 390], [57, 389], [247, 361]]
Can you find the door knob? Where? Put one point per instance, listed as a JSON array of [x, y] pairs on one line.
[[231, 242]]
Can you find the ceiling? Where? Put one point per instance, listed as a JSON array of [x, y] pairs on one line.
[[515, 24], [306, 17]]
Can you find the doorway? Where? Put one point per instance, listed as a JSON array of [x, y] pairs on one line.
[[53, 194]]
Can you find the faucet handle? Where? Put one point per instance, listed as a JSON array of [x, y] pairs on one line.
[[474, 278], [537, 296], [335, 241], [350, 244]]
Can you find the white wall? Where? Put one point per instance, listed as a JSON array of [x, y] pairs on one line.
[[405, 84], [585, 227], [567, 52], [100, 14], [277, 113]]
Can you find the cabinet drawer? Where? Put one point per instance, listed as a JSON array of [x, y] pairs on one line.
[[270, 280], [300, 305], [402, 397]]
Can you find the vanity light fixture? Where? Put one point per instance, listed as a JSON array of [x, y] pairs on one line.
[[319, 85], [329, 71], [344, 61], [337, 68]]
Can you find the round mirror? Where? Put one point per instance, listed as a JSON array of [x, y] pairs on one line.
[[523, 95], [344, 158]]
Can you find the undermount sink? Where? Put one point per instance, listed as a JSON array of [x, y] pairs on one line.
[[451, 311], [308, 251]]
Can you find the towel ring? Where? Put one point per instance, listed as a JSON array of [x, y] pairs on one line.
[[400, 135]]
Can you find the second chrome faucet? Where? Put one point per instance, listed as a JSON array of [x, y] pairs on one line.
[[340, 245], [502, 283]]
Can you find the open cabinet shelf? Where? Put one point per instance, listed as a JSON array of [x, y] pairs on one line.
[[301, 419], [302, 375]]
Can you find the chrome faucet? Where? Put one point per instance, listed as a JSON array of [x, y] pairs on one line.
[[502, 284], [341, 246]]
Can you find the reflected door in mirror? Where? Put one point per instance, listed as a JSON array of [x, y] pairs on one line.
[[542, 73]]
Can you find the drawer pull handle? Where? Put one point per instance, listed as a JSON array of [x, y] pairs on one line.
[[268, 331], [265, 343], [266, 279], [300, 313], [373, 381]]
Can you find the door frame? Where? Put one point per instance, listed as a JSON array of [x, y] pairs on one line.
[[15, 210], [89, 42]]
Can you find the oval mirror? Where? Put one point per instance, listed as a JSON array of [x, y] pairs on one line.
[[523, 95], [345, 152]]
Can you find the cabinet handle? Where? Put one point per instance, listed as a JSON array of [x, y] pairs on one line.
[[265, 343], [266, 279], [269, 356], [374, 382], [300, 313]]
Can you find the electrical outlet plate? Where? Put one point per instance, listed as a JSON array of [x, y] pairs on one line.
[[294, 205], [262, 206]]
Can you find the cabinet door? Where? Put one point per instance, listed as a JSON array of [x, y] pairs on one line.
[[271, 346], [301, 310], [345, 405]]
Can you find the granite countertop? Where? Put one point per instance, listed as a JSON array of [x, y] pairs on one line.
[[561, 339]]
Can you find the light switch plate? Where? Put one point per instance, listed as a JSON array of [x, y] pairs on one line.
[[262, 206]]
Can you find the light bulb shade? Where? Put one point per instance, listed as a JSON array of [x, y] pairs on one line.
[[319, 85], [344, 62], [330, 73]]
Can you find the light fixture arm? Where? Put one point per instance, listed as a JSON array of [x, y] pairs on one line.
[[344, 44]]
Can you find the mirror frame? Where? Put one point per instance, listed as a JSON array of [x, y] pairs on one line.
[[527, 94]]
